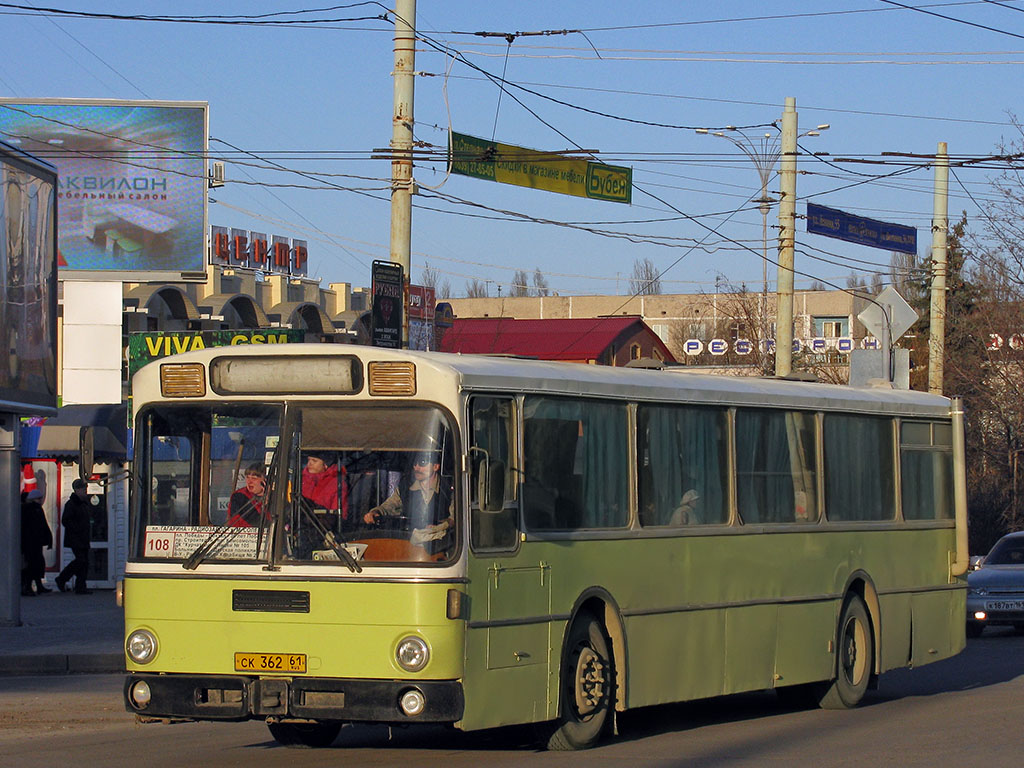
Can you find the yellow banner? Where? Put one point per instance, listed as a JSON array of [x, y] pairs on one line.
[[550, 171]]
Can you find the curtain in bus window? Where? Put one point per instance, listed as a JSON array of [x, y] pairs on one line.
[[926, 471], [576, 465], [775, 467], [682, 460], [859, 477]]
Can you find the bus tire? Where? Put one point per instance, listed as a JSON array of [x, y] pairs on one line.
[[304, 735], [855, 657], [587, 679]]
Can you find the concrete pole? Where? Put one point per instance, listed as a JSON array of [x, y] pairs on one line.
[[940, 226], [401, 146], [787, 241]]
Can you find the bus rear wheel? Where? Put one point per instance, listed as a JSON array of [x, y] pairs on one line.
[[587, 679], [855, 657], [300, 735]]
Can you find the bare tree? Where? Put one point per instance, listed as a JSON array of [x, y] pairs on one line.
[[429, 279], [646, 279], [520, 284], [429, 276], [876, 283], [476, 289], [540, 283], [817, 285]]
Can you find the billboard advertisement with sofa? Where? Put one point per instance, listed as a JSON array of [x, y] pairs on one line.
[[132, 180]]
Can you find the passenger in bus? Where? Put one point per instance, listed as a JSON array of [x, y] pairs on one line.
[[423, 499], [320, 482], [246, 504], [684, 513]]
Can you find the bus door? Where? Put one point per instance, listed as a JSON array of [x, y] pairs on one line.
[[510, 590]]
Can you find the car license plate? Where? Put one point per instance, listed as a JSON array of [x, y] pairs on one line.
[[270, 662], [1005, 605]]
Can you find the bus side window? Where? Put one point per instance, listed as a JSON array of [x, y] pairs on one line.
[[493, 526]]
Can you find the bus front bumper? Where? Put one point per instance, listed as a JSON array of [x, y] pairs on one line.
[[237, 697]]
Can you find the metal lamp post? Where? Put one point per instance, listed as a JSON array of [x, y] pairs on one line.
[[763, 151]]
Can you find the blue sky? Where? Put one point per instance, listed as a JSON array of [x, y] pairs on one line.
[[319, 99]]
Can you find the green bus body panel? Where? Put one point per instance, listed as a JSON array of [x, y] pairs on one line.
[[351, 630], [704, 615]]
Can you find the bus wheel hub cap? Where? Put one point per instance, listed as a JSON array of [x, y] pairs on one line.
[[589, 681]]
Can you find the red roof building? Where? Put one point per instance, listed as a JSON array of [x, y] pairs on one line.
[[595, 340]]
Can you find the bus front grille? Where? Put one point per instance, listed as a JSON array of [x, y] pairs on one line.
[[270, 600]]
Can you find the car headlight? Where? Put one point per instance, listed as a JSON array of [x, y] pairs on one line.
[[141, 646], [412, 654]]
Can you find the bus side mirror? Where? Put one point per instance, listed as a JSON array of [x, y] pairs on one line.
[[492, 496], [86, 452]]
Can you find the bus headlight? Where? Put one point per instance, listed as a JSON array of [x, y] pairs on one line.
[[141, 646], [412, 654]]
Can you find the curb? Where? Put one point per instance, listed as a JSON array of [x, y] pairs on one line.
[[62, 664]]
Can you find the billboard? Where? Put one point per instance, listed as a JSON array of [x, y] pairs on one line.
[[132, 181], [28, 284], [388, 300]]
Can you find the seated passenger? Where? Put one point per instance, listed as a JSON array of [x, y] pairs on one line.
[[424, 500], [320, 482], [246, 504]]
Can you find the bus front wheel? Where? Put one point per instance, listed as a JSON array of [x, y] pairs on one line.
[[855, 657], [300, 735], [587, 679]]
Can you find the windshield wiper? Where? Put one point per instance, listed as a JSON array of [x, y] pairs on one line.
[[328, 536], [225, 533]]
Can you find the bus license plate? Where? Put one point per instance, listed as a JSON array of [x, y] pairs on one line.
[[1005, 605], [270, 662]]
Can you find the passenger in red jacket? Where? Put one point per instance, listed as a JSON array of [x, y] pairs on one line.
[[246, 504], [320, 482]]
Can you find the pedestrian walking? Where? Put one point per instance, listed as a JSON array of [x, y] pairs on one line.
[[35, 534], [76, 521]]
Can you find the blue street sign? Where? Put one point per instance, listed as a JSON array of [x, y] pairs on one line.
[[856, 229]]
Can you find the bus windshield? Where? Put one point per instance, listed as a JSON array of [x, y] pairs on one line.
[[302, 484]]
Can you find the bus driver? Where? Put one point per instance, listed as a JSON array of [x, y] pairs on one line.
[[423, 501]]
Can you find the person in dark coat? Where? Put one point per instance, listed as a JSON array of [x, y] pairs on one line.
[[35, 534], [76, 521]]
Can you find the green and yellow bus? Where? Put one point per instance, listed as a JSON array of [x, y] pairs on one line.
[[324, 535]]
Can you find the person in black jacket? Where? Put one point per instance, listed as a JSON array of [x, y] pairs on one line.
[[35, 534], [76, 521]]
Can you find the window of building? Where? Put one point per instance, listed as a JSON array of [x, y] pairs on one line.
[[635, 352], [831, 327]]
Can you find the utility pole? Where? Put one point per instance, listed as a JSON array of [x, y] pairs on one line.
[[401, 147], [940, 226], [787, 241]]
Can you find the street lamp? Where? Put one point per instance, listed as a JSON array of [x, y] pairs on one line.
[[763, 151]]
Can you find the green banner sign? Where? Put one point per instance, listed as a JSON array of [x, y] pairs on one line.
[[551, 171], [144, 348]]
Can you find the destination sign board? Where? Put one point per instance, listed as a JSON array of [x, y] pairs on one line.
[[550, 171], [856, 229]]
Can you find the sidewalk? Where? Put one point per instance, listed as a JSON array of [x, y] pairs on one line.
[[65, 633]]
